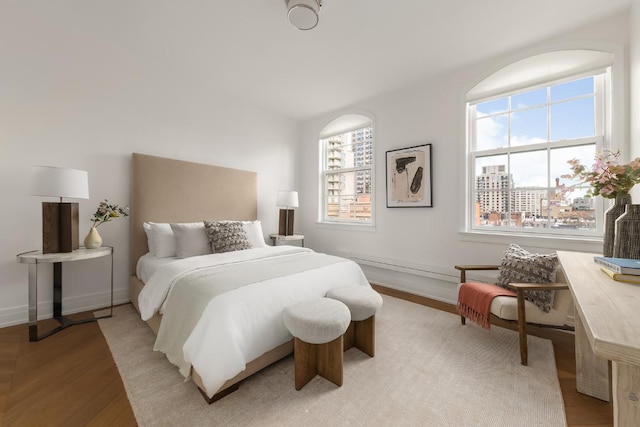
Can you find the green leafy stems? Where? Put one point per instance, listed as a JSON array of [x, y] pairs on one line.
[[106, 212]]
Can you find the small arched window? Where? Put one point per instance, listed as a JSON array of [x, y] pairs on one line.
[[346, 170]]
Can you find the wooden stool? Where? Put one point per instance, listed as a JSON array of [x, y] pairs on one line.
[[363, 303], [317, 326]]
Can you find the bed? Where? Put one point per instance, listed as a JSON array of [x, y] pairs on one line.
[[239, 331]]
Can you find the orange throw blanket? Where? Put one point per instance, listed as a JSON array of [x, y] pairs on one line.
[[474, 301]]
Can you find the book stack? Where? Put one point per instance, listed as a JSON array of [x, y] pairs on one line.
[[620, 269]]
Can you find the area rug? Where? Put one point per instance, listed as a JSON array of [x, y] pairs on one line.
[[429, 370]]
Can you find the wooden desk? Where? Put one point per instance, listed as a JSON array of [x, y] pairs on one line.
[[607, 329]]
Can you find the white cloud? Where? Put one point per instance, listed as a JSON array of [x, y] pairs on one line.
[[491, 132]]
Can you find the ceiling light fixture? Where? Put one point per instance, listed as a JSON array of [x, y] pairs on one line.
[[304, 14]]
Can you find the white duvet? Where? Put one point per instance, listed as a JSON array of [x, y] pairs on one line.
[[242, 324]]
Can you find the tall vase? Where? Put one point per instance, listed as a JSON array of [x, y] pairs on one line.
[[610, 217], [627, 243], [93, 239]]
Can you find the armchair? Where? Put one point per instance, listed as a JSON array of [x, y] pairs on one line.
[[522, 312]]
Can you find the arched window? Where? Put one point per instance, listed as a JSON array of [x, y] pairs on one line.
[[525, 122], [346, 170]]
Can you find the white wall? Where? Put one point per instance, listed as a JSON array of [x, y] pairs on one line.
[[76, 96], [635, 88], [415, 249]]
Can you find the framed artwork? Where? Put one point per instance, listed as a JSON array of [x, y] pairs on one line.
[[409, 177]]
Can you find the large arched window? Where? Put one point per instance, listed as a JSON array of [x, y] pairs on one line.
[[346, 170], [525, 122]]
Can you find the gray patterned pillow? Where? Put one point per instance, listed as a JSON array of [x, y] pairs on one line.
[[521, 266], [227, 236]]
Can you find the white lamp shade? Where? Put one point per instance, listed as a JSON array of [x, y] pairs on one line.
[[287, 199], [59, 182], [303, 14]]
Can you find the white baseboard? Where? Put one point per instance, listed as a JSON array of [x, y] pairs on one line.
[[20, 314], [437, 283], [414, 284]]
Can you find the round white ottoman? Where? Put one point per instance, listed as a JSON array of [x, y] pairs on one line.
[[363, 303], [317, 327]]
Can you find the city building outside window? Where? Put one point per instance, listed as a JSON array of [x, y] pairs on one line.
[[519, 144], [347, 176]]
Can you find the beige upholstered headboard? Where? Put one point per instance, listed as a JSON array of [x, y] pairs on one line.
[[167, 190]]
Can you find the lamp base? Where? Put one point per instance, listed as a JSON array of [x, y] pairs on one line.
[[60, 227], [285, 227]]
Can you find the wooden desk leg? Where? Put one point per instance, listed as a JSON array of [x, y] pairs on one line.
[[626, 394], [592, 373]]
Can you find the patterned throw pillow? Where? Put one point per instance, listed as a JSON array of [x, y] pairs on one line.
[[227, 236], [521, 266]]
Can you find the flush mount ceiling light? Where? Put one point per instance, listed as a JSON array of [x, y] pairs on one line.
[[304, 14]]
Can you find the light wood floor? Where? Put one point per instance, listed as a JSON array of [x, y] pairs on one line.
[[70, 379]]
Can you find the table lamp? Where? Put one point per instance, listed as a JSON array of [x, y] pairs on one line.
[[286, 200], [59, 220]]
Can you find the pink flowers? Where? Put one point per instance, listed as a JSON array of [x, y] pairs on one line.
[[607, 177]]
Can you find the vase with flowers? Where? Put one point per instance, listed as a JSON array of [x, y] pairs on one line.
[[106, 212], [612, 180]]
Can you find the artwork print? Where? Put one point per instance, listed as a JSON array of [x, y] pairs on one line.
[[409, 177]]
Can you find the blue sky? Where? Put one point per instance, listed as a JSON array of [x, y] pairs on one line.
[[570, 113]]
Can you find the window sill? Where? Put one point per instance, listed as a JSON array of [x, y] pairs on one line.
[[567, 243]]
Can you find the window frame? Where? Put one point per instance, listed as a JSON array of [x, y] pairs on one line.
[[602, 91], [323, 217]]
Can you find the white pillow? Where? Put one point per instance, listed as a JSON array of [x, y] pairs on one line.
[[147, 230], [253, 230], [161, 240], [191, 239]]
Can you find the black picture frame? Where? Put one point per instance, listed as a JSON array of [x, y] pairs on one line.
[[409, 176]]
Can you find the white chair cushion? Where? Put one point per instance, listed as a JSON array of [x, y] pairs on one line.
[[317, 321], [363, 302], [507, 308]]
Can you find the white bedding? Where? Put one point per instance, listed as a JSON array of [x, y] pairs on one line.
[[149, 264], [246, 322]]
